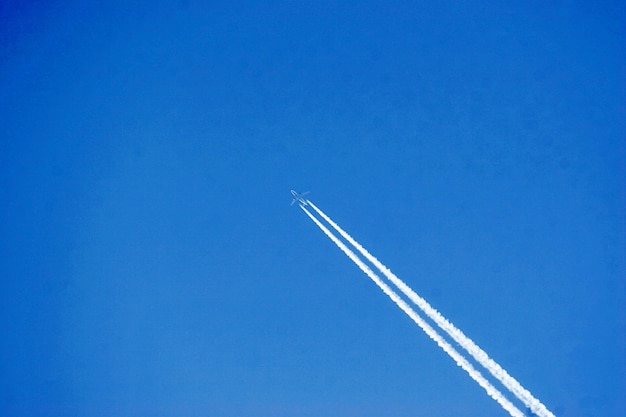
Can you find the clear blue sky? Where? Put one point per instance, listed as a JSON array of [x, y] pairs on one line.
[[151, 263]]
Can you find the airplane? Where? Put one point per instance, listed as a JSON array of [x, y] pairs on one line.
[[299, 198]]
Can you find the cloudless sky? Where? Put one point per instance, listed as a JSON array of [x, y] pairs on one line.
[[151, 263]]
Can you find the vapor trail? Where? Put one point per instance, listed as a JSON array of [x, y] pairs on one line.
[[465, 342], [456, 356]]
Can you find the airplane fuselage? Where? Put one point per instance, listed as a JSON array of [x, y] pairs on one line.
[[298, 197]]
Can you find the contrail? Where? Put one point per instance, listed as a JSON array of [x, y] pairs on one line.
[[458, 358], [477, 353]]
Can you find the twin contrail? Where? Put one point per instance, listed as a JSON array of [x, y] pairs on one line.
[[466, 343], [458, 358]]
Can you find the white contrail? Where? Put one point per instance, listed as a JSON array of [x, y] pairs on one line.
[[458, 358], [477, 353]]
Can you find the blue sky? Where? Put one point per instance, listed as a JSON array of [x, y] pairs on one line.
[[152, 264]]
